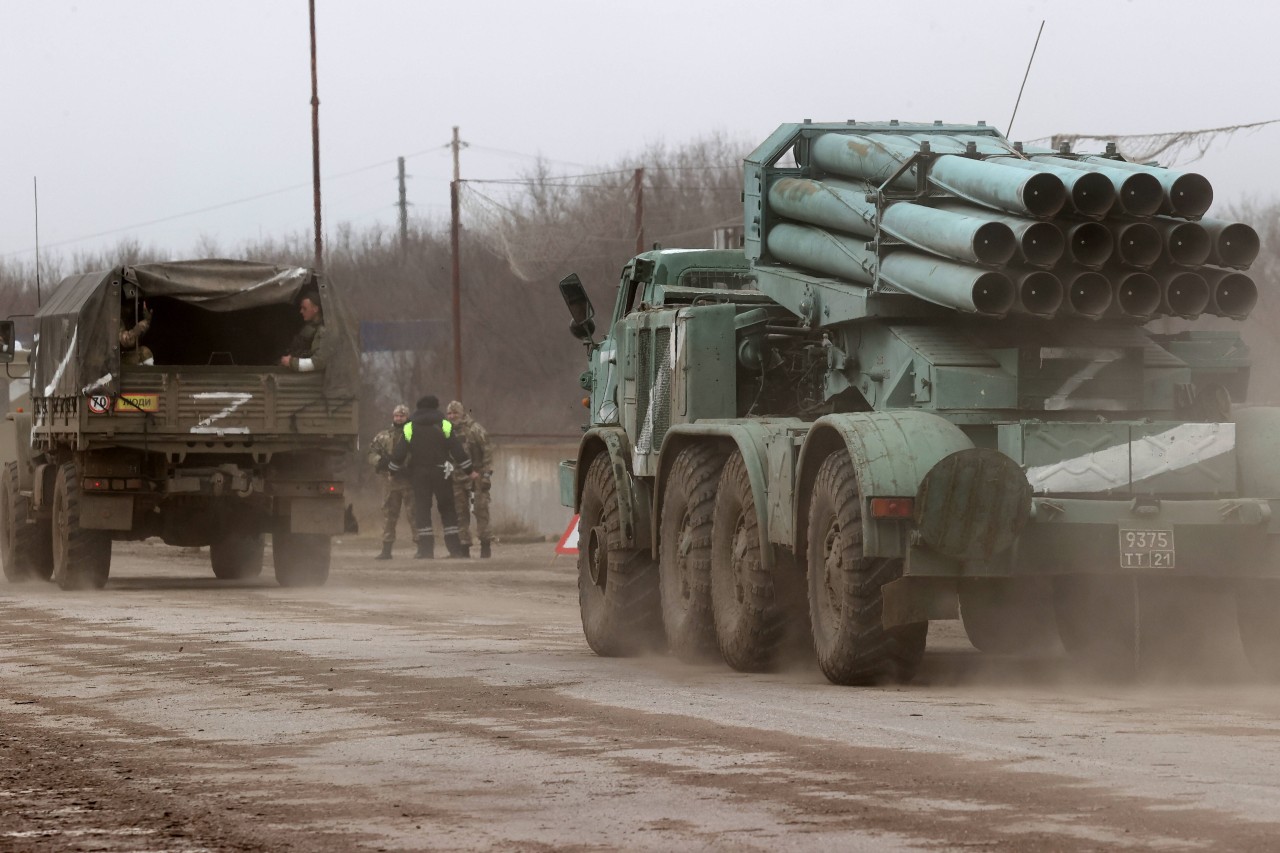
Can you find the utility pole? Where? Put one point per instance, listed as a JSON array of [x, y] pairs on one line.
[[454, 227], [315, 139], [404, 208], [638, 185]]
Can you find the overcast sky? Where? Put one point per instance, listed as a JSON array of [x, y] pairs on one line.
[[135, 115]]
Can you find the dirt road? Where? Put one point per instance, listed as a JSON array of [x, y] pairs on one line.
[[448, 705]]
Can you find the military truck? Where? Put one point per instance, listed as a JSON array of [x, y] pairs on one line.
[[947, 377], [213, 443]]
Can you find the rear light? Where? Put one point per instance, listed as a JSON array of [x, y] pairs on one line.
[[893, 507], [331, 488], [97, 485]]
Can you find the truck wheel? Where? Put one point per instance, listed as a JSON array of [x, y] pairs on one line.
[[845, 603], [753, 608], [1257, 603], [617, 587], [236, 556], [26, 549], [301, 559], [1006, 616], [684, 565], [81, 557], [1097, 620]]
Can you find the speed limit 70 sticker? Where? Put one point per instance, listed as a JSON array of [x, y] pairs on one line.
[[99, 404]]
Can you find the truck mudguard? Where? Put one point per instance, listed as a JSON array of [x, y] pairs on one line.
[[633, 498], [891, 452], [751, 438]]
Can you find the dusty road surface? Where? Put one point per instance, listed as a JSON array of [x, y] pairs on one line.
[[449, 705]]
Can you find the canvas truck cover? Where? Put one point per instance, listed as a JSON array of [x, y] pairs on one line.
[[77, 351]]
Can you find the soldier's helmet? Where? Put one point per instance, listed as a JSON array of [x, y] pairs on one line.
[[401, 409]]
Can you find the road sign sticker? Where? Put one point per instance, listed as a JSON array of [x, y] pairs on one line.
[[569, 541]]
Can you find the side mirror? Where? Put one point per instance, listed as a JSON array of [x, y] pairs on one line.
[[6, 341], [575, 297]]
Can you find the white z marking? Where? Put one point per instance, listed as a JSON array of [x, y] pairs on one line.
[[236, 398]]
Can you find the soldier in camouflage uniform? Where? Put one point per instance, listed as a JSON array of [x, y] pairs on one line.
[[399, 489], [132, 350], [472, 494], [309, 350]]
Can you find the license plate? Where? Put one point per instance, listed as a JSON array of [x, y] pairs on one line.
[[1146, 549]]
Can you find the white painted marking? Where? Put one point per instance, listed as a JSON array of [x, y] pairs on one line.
[[97, 384], [1098, 359], [62, 366], [236, 398], [1170, 451]]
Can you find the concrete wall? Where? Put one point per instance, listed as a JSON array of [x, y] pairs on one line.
[[526, 485]]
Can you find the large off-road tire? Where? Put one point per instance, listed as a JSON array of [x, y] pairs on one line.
[[617, 587], [1007, 616], [1258, 617], [755, 610], [1099, 621], [81, 557], [845, 599], [237, 556], [25, 549], [301, 559], [684, 552]]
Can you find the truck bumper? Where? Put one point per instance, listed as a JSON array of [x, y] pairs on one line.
[[1226, 537]]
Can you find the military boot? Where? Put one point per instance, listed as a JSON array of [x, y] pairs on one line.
[[485, 551], [455, 546], [386, 552], [426, 548]]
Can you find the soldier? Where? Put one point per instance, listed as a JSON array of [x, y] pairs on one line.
[[430, 452], [309, 349], [472, 493], [132, 350], [399, 489]]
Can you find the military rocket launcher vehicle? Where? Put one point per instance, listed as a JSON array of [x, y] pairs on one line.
[[929, 387]]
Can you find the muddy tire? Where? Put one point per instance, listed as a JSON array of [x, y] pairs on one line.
[[237, 556], [1007, 616], [755, 610], [845, 600], [617, 587], [301, 559], [1257, 606], [81, 557], [684, 564], [25, 549]]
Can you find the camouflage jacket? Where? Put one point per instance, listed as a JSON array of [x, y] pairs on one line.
[[476, 440], [300, 346], [382, 446], [129, 338]]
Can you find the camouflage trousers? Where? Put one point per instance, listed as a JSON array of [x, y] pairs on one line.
[[399, 498], [472, 497]]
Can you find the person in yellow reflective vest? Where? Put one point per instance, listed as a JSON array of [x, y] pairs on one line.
[[430, 452]]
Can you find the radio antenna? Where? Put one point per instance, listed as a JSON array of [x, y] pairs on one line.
[[35, 195], [1009, 130]]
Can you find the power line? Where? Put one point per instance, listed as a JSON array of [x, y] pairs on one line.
[[197, 212], [560, 181]]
